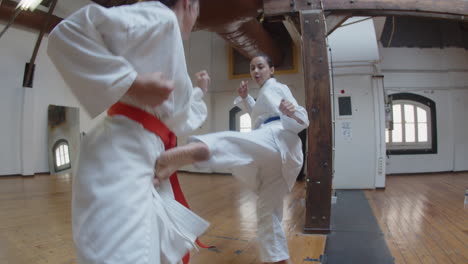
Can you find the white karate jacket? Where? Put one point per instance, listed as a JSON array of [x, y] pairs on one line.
[[286, 138]]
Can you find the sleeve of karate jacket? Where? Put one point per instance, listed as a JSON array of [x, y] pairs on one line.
[[245, 104], [195, 114], [97, 77], [290, 123]]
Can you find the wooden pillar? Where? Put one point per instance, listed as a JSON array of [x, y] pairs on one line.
[[318, 104]]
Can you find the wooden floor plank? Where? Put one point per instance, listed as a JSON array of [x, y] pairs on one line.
[[35, 220], [435, 217], [423, 217], [378, 197]]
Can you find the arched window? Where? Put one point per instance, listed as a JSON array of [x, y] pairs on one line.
[[61, 155], [239, 120], [413, 129], [245, 123]]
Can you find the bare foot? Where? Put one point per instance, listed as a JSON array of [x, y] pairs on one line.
[[170, 161]]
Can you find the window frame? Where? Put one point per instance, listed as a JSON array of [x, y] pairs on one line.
[[403, 123], [415, 148], [65, 166], [234, 119]]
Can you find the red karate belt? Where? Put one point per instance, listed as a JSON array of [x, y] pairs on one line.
[[153, 124]]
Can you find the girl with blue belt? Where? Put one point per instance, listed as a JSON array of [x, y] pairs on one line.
[[267, 159]]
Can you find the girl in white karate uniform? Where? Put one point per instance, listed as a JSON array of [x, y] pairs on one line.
[[132, 55], [268, 159]]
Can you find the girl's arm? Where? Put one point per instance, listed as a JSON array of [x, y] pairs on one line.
[[244, 101], [294, 117], [97, 77]]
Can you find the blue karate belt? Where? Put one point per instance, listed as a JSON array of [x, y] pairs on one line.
[[271, 119]]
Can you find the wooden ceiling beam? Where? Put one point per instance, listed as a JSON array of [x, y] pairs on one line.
[[250, 38], [279, 7], [334, 21], [454, 7], [33, 20], [377, 13], [448, 9]]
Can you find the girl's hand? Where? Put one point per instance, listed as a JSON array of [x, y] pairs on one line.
[[203, 80], [243, 89], [288, 109]]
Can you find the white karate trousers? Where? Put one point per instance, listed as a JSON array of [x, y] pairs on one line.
[[118, 216], [254, 159]]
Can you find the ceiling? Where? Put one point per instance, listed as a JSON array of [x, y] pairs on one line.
[[235, 21], [65, 7], [241, 23]]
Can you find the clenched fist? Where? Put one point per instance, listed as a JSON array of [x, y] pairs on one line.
[[243, 89], [203, 80], [289, 109]]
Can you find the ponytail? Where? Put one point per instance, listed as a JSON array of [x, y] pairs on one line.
[[168, 3]]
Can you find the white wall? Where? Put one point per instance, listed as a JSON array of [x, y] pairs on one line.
[[442, 76], [355, 153], [439, 74], [354, 54], [11, 96], [16, 48], [199, 58], [355, 43], [459, 99]]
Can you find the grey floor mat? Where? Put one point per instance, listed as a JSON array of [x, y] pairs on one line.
[[355, 236]]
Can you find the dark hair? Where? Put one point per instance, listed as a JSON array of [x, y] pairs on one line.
[[171, 3], [266, 57]]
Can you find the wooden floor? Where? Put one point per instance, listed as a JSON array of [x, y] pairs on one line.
[[424, 218], [35, 223]]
